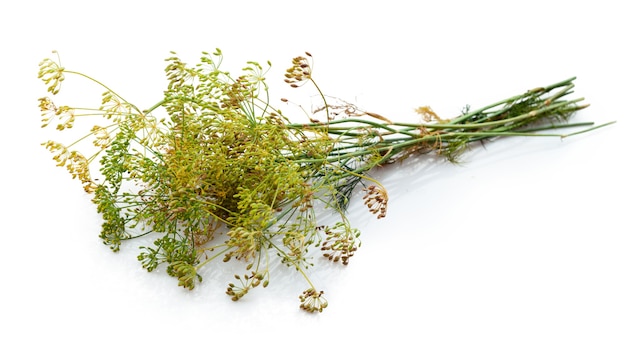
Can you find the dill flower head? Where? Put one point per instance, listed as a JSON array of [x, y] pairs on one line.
[[299, 72], [376, 199], [52, 74], [342, 241], [313, 301]]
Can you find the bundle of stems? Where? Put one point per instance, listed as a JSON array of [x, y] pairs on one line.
[[378, 141], [223, 161]]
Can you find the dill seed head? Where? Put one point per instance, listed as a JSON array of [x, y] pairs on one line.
[[299, 72], [376, 200], [313, 301]]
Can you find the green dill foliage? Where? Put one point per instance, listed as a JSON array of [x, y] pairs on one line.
[[221, 159]]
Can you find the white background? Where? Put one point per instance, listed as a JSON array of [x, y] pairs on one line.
[[524, 240]]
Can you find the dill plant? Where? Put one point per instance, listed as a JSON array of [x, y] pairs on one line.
[[223, 159]]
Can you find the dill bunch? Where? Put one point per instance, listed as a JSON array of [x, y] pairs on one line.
[[221, 159]]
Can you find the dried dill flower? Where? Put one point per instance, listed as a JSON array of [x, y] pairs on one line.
[[223, 159]]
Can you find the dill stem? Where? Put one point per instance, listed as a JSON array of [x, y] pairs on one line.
[[514, 98]]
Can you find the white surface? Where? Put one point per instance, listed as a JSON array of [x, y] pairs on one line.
[[524, 241]]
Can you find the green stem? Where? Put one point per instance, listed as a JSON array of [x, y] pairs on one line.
[[106, 87], [513, 99]]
